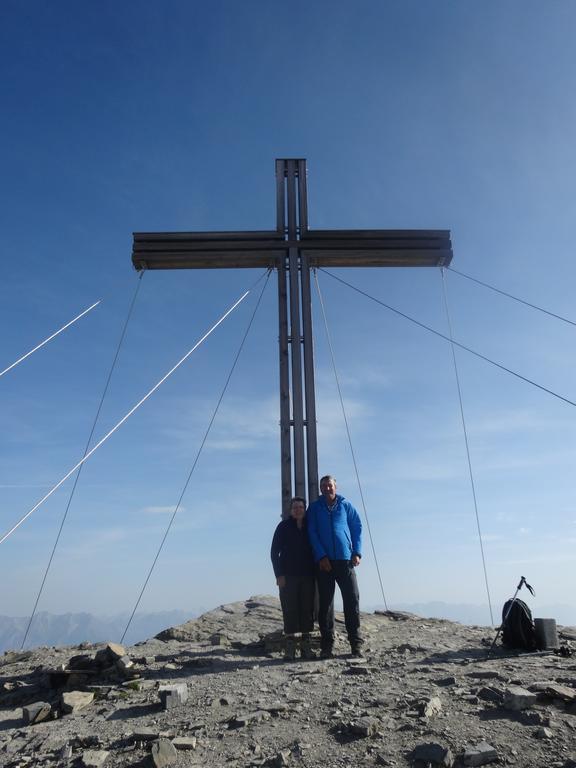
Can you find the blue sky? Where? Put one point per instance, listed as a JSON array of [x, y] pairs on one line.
[[148, 116]]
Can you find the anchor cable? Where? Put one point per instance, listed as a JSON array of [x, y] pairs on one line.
[[77, 478], [510, 296], [465, 431], [349, 438], [56, 333], [197, 457], [127, 415], [452, 341]]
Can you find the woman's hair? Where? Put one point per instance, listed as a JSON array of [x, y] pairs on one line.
[[297, 499]]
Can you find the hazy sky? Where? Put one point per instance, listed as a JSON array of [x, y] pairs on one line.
[[168, 116]]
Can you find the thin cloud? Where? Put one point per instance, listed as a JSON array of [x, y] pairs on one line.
[[160, 510]]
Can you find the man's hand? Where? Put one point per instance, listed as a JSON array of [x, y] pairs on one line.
[[325, 565], [355, 560], [281, 581]]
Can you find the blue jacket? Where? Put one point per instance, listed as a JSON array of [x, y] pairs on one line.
[[337, 534]]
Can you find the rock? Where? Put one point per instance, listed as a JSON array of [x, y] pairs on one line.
[[281, 758], [115, 651], [516, 698], [480, 754], [433, 753], [535, 718], [83, 661], [543, 733], [109, 655], [144, 734], [445, 681], [94, 758], [36, 713], [173, 695], [240, 721], [54, 743], [14, 657], [164, 753], [487, 693], [359, 670], [555, 691], [74, 701], [219, 639], [124, 663], [364, 726], [431, 707], [184, 742]]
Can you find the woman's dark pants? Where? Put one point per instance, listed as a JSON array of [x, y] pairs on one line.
[[297, 601]]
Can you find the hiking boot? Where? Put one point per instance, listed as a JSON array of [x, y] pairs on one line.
[[326, 652], [290, 649], [306, 651], [356, 648]]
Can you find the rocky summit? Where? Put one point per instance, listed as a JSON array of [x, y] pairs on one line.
[[216, 691]]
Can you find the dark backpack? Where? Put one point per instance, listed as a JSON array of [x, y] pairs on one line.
[[517, 626]]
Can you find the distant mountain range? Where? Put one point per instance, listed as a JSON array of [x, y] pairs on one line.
[[75, 628]]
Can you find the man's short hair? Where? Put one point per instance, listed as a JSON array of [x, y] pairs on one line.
[[326, 478]]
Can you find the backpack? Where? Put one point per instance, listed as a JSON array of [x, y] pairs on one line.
[[518, 628]]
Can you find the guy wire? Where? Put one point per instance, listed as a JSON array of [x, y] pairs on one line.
[[465, 431], [349, 438], [52, 336], [510, 296], [447, 338], [76, 479], [127, 415], [197, 457]]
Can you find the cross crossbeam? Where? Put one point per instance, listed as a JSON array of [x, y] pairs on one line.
[[293, 249], [324, 248]]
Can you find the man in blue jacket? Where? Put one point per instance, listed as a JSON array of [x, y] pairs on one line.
[[335, 533]]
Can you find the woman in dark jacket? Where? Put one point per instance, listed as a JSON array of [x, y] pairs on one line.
[[293, 564]]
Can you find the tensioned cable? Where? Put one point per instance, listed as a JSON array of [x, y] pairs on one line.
[[447, 338], [510, 296], [465, 431], [77, 478], [349, 438], [197, 457], [56, 333], [130, 412]]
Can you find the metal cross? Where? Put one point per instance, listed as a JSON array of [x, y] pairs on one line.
[[293, 249]]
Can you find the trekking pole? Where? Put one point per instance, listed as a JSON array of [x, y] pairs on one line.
[[521, 583]]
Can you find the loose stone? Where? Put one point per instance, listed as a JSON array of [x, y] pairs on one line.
[[173, 695], [516, 698], [185, 742], [480, 754], [94, 758], [74, 701], [37, 712], [164, 753]]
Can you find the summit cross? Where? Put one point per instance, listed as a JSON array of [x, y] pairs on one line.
[[292, 249]]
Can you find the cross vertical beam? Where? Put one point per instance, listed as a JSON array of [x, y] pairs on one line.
[[299, 452]]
